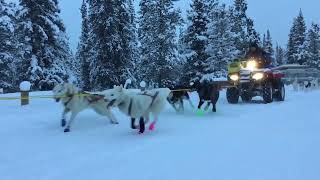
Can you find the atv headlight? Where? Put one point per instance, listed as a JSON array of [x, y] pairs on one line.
[[258, 76], [234, 77], [252, 65]]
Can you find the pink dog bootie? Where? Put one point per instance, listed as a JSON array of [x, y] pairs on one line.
[[152, 126]]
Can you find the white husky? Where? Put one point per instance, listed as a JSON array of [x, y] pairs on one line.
[[75, 102], [138, 104]]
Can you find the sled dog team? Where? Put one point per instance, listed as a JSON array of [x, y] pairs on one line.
[[136, 105]]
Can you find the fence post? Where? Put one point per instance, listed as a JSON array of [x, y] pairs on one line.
[[24, 90]]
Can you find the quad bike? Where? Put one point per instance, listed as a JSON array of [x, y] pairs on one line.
[[247, 80]]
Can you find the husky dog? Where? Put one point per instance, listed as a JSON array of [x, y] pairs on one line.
[[207, 93], [138, 104], [75, 102], [176, 97]]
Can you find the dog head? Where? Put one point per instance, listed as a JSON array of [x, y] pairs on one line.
[[61, 90], [114, 96], [171, 98]]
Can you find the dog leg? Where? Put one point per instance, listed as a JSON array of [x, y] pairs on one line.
[[133, 126], [141, 125], [63, 119], [207, 107], [174, 107], [147, 118], [200, 104], [73, 115], [153, 124], [214, 108], [112, 118], [190, 102], [181, 106]]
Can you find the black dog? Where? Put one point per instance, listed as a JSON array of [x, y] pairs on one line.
[[176, 97], [208, 92]]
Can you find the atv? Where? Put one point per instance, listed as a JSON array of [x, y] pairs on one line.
[[247, 80]]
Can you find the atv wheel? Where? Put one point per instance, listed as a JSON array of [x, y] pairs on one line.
[[246, 97], [267, 92], [281, 93], [233, 95]]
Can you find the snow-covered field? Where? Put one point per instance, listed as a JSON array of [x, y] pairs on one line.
[[279, 141]]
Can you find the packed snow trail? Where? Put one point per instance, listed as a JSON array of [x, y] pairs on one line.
[[246, 141]]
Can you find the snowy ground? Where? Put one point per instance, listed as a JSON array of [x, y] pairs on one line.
[[279, 141]]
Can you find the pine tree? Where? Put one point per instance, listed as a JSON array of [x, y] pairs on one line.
[[220, 47], [242, 27], [268, 46], [239, 26], [112, 41], [159, 53], [280, 56], [296, 43], [8, 50], [45, 44], [83, 50], [313, 45], [196, 40]]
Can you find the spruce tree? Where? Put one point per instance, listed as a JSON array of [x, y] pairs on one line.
[[157, 34], [313, 46], [45, 44], [220, 47], [196, 40], [239, 26], [8, 50], [111, 38], [280, 56], [268, 46], [83, 50], [296, 44]]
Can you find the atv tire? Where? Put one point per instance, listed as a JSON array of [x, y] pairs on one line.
[[267, 92], [281, 92], [246, 97], [233, 95]]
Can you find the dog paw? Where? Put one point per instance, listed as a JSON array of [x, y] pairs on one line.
[[152, 126], [63, 123], [66, 130]]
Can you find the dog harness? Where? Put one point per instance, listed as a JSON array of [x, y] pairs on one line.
[[153, 97], [70, 96]]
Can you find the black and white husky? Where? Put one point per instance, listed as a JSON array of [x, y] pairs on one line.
[[176, 98], [75, 102], [138, 104]]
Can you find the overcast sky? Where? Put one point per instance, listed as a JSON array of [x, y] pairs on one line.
[[276, 15]]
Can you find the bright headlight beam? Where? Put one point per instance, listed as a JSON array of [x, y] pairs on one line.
[[258, 76], [251, 65], [234, 77]]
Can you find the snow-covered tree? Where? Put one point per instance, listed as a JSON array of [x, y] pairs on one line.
[[83, 49], [45, 44], [220, 47], [239, 26], [157, 34], [112, 41], [242, 27], [268, 45], [296, 44], [8, 50], [196, 40], [280, 56], [313, 46]]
